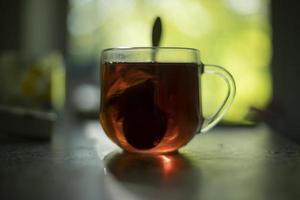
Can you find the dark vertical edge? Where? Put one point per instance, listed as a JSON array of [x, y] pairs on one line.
[[10, 25], [285, 67]]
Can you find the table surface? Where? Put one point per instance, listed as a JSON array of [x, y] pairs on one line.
[[81, 163]]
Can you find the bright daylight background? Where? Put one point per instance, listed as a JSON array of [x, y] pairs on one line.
[[231, 33]]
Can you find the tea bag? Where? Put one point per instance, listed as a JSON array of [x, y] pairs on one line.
[[144, 123]]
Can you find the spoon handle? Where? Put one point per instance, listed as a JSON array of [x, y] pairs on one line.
[[156, 32]]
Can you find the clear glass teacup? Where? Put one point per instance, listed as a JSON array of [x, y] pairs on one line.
[[151, 98]]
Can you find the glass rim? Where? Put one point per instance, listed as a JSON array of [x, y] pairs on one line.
[[149, 48]]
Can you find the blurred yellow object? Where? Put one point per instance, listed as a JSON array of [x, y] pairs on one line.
[[39, 83]]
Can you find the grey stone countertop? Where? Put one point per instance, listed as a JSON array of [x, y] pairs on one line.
[[81, 163]]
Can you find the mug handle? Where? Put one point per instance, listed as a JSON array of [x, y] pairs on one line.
[[227, 77]]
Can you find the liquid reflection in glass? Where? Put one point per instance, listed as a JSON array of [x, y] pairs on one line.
[[135, 176]]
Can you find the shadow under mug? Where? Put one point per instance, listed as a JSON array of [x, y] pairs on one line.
[[151, 98], [164, 176]]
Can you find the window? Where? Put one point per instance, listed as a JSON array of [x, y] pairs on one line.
[[231, 33]]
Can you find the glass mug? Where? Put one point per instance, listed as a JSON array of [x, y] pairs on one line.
[[151, 98]]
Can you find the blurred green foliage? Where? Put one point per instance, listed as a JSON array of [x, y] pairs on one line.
[[231, 33]]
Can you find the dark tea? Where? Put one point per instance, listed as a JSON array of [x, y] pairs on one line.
[[150, 106]]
